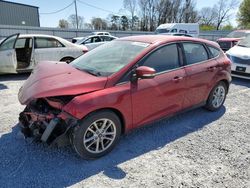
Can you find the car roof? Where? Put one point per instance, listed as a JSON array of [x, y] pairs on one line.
[[64, 41], [37, 35], [153, 39]]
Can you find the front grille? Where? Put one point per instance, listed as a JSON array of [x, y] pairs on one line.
[[225, 45], [240, 61], [241, 73]]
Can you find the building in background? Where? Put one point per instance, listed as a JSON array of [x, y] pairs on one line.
[[18, 14]]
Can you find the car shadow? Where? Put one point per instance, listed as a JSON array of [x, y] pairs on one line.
[[3, 86], [23, 162], [241, 81], [14, 77]]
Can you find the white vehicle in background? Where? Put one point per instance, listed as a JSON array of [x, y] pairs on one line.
[[191, 29], [21, 53], [240, 57], [94, 41]]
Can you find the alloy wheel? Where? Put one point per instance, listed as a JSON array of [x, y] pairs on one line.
[[218, 96], [99, 136]]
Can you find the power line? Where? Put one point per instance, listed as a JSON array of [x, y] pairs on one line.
[[93, 6], [60, 10]]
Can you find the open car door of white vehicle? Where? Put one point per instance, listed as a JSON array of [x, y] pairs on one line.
[[8, 60]]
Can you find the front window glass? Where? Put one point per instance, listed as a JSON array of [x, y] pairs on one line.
[[8, 44], [163, 59], [245, 42], [109, 58]]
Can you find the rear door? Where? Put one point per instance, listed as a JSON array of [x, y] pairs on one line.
[[48, 49], [200, 70], [8, 62]]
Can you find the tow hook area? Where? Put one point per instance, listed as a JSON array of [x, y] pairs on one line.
[[54, 131], [49, 128]]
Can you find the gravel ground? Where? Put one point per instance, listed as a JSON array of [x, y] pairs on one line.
[[194, 149]]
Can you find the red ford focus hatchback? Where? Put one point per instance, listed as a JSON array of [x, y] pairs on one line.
[[120, 86]]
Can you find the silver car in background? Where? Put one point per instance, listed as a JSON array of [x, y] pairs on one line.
[[94, 41]]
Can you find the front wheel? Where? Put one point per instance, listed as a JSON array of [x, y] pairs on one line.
[[97, 134], [216, 97]]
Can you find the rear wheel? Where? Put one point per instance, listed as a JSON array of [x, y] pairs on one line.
[[217, 97], [97, 134], [67, 59]]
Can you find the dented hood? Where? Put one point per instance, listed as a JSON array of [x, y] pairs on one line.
[[57, 79]]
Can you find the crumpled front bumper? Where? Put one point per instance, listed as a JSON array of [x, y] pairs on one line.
[[48, 127]]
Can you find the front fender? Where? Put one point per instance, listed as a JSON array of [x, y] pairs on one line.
[[117, 97]]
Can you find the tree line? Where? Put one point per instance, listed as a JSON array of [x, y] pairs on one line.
[[146, 15]]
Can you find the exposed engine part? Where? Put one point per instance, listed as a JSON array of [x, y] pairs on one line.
[[44, 120]]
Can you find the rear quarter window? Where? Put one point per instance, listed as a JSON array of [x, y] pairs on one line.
[[214, 51]]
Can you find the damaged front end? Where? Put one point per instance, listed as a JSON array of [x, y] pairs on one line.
[[45, 120]]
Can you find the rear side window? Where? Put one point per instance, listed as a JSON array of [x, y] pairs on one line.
[[47, 43], [194, 53], [214, 51], [106, 38], [163, 59]]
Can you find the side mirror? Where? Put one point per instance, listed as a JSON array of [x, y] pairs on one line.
[[144, 72]]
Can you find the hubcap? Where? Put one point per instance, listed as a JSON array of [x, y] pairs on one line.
[[218, 96], [99, 135]]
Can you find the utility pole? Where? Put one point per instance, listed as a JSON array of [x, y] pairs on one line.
[[76, 15]]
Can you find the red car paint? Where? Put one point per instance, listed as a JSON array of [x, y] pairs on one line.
[[138, 102], [56, 79], [231, 41]]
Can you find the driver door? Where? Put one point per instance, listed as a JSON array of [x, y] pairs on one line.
[[8, 60], [164, 94]]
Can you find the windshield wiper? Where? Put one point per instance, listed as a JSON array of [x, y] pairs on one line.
[[242, 45], [92, 72]]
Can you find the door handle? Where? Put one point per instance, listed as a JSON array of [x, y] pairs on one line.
[[9, 54], [177, 78], [211, 69]]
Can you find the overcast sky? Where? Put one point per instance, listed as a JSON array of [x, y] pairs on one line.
[[109, 6]]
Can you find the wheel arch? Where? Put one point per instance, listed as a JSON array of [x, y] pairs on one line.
[[69, 57], [226, 82], [116, 112]]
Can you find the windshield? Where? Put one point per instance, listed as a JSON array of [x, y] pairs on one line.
[[236, 34], [161, 31], [81, 40], [109, 58], [245, 42]]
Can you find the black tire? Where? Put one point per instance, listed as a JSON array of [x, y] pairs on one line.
[[81, 132], [67, 59], [209, 104]]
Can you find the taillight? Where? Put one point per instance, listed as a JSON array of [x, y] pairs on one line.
[[85, 51]]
